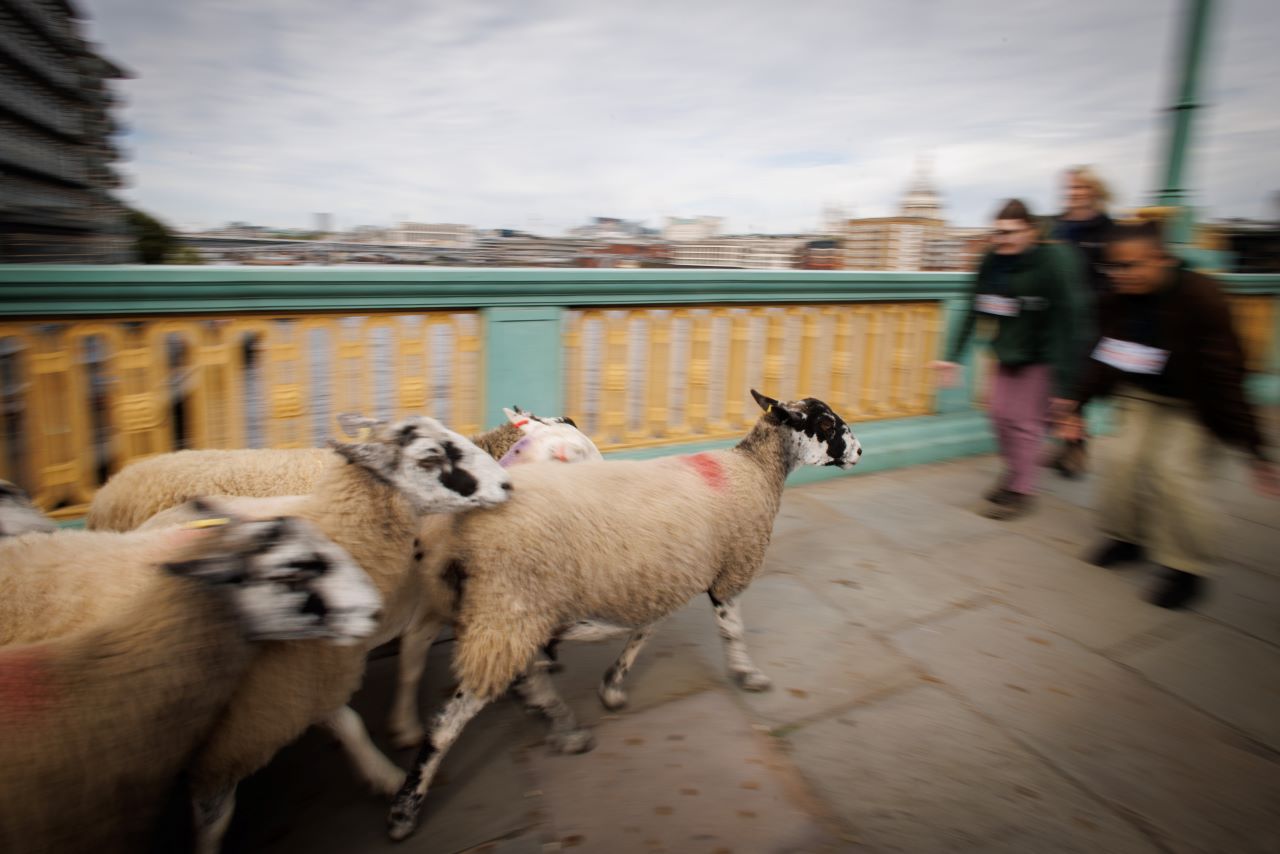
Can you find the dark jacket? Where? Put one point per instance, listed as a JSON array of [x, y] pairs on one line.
[[1206, 361], [1090, 237], [1052, 324]]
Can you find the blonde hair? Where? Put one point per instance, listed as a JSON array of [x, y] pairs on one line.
[[1101, 193]]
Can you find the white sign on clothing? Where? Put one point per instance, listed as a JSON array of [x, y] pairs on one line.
[[1130, 357], [1002, 306]]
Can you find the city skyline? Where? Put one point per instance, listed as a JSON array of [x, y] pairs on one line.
[[542, 117]]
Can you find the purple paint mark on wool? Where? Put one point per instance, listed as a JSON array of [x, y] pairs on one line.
[[514, 451]]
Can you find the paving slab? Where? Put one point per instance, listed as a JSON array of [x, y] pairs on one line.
[[909, 518], [689, 776], [1190, 781], [919, 772], [307, 799], [1232, 677], [1094, 606], [1246, 599], [817, 659], [1250, 543], [873, 583]]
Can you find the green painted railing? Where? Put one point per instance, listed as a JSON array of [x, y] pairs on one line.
[[525, 313]]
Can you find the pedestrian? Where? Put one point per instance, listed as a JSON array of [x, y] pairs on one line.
[[1171, 361], [1083, 223], [1028, 296]]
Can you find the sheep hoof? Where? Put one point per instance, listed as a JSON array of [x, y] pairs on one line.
[[403, 820], [613, 699], [575, 741], [753, 680], [407, 736]]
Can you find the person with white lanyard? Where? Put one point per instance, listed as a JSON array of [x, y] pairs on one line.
[[1171, 361], [1030, 297]]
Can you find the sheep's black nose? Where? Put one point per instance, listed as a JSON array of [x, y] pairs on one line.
[[859, 452], [507, 486]]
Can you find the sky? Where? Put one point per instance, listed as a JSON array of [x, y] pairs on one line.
[[539, 114]]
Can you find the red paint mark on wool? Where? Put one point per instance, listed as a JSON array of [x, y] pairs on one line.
[[25, 685], [708, 468]]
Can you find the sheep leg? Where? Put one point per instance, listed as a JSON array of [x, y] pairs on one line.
[[415, 643], [403, 817], [729, 620], [611, 693], [382, 775], [212, 814], [539, 695]]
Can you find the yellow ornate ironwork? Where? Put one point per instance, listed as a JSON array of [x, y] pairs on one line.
[[1255, 319], [88, 397], [697, 364]]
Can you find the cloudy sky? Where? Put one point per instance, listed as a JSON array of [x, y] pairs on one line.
[[541, 113]]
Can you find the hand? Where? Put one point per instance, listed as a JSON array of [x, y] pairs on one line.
[[1060, 407], [1266, 480], [1070, 427], [946, 374]]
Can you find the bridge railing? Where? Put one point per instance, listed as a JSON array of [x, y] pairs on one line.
[[103, 365]]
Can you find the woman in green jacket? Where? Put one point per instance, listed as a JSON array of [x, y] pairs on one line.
[[1032, 295]]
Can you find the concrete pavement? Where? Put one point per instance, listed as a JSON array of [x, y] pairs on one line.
[[943, 682]]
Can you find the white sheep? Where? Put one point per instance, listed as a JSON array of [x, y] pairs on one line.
[[120, 651], [18, 515], [372, 507], [146, 487], [152, 485], [586, 551]]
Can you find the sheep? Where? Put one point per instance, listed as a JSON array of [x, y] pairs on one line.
[[18, 515], [144, 488], [154, 484], [608, 548], [120, 651], [545, 439], [369, 499]]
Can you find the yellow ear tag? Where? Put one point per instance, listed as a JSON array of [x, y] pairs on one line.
[[768, 409], [364, 434], [216, 522]]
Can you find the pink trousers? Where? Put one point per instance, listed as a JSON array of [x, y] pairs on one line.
[[1019, 411]]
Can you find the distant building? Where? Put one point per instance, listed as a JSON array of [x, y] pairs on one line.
[[608, 228], [511, 248], [908, 241], [55, 141], [744, 252], [917, 238], [323, 224], [441, 235], [698, 228], [823, 254], [958, 249]]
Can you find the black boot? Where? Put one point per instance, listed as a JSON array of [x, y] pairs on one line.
[[1176, 588], [1113, 552]]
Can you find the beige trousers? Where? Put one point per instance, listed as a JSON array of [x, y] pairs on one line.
[[1155, 480]]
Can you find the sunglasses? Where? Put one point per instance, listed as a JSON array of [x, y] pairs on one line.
[[1007, 232]]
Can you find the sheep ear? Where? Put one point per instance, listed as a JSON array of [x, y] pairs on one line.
[[378, 457], [202, 547], [519, 418], [353, 423], [763, 401]]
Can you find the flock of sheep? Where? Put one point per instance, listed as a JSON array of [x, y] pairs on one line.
[[222, 602]]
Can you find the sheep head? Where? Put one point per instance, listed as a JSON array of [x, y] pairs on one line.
[[816, 434], [555, 439], [286, 580], [436, 469]]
